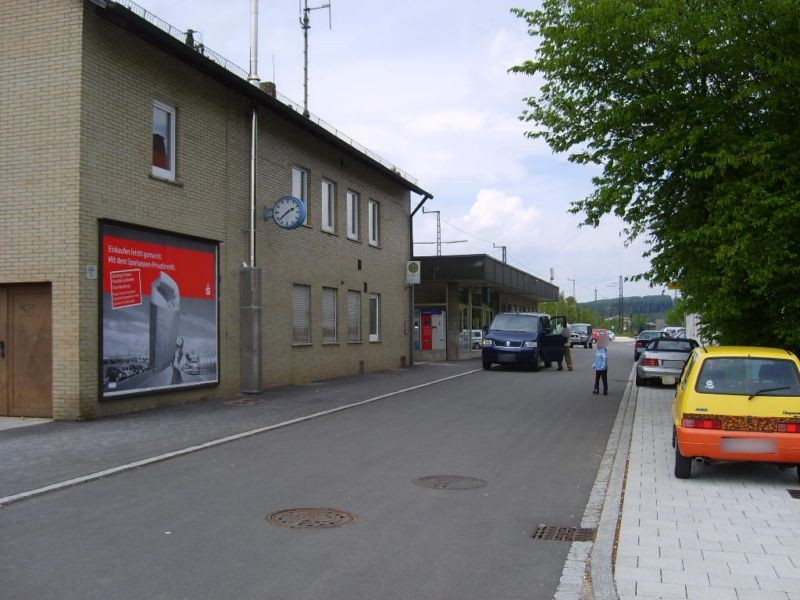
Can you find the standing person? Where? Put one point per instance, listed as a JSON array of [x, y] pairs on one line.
[[601, 365], [564, 330]]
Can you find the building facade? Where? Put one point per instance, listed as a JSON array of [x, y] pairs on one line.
[[460, 295], [126, 221]]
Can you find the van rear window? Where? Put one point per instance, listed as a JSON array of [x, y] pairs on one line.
[[526, 323]]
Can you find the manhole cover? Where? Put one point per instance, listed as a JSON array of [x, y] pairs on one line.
[[450, 482], [794, 494], [564, 534], [311, 518]]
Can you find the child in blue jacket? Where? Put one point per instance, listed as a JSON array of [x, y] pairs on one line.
[[601, 365]]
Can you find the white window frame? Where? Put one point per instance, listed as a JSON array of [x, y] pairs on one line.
[[301, 315], [160, 172], [374, 212], [353, 316], [300, 187], [330, 333], [374, 323], [328, 194], [353, 201]]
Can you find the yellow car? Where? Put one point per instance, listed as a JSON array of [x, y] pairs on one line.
[[737, 403]]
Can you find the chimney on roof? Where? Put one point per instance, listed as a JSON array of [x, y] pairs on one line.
[[268, 87]]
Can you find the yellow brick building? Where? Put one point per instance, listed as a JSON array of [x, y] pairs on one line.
[[109, 125]]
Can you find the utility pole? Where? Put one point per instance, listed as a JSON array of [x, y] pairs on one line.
[[438, 229], [504, 250], [621, 318]]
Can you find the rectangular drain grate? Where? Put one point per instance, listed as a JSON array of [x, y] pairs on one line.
[[564, 534], [794, 494]]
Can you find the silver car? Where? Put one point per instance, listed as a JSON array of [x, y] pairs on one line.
[[663, 360]]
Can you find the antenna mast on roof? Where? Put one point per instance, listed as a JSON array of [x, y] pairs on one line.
[[305, 26]]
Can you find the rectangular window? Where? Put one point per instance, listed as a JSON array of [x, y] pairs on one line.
[[163, 141], [374, 317], [328, 206], [352, 215], [353, 316], [329, 315], [301, 314], [300, 187], [374, 223]]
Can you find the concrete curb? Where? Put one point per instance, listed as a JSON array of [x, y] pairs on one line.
[[601, 559], [588, 571]]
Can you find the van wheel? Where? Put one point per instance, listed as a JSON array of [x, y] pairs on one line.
[[590, 345], [486, 365], [683, 465], [585, 346], [535, 364]]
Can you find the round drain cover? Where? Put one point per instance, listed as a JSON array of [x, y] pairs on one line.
[[311, 518], [450, 482]]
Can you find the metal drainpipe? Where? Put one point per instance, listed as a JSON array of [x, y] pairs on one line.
[[425, 198], [250, 275]]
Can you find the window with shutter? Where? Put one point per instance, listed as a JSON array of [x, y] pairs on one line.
[[301, 315], [329, 316], [353, 316]]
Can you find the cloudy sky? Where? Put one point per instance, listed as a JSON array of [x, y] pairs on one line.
[[425, 84]]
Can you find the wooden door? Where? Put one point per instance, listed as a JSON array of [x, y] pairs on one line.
[[26, 351]]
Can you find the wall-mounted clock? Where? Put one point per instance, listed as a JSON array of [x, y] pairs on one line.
[[289, 212]]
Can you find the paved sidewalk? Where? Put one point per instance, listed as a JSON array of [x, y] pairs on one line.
[[731, 532]]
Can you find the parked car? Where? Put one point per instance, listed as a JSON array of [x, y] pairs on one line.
[[523, 339], [581, 335], [663, 360], [736, 403], [643, 339], [611, 335], [473, 337]]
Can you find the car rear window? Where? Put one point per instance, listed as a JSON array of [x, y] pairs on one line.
[[649, 335], [748, 376], [672, 345], [526, 323]]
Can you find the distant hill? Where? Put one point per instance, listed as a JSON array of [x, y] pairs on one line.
[[649, 307]]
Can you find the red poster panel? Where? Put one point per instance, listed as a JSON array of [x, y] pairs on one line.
[[160, 311]]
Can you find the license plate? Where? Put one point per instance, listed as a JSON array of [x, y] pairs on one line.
[[668, 380], [748, 445], [506, 358]]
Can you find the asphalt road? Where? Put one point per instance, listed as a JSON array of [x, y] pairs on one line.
[[195, 526]]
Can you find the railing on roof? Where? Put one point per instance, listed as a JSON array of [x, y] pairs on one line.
[[240, 72]]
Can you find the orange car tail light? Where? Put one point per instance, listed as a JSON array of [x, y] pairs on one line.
[[789, 427], [701, 423], [650, 362]]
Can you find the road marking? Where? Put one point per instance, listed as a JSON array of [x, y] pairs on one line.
[[218, 442]]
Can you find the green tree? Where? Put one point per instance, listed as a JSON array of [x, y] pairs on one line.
[[689, 108]]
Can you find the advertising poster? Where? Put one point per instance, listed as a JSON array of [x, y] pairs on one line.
[[159, 320]]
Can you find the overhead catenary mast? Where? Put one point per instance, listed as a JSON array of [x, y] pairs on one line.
[[305, 25]]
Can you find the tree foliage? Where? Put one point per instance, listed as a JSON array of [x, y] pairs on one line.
[[690, 110]]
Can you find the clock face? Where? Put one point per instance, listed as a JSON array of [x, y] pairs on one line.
[[289, 212]]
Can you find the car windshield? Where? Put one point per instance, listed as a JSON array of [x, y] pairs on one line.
[[578, 328], [527, 323], [672, 345], [748, 376]]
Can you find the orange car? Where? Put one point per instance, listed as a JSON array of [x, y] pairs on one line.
[[737, 403]]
